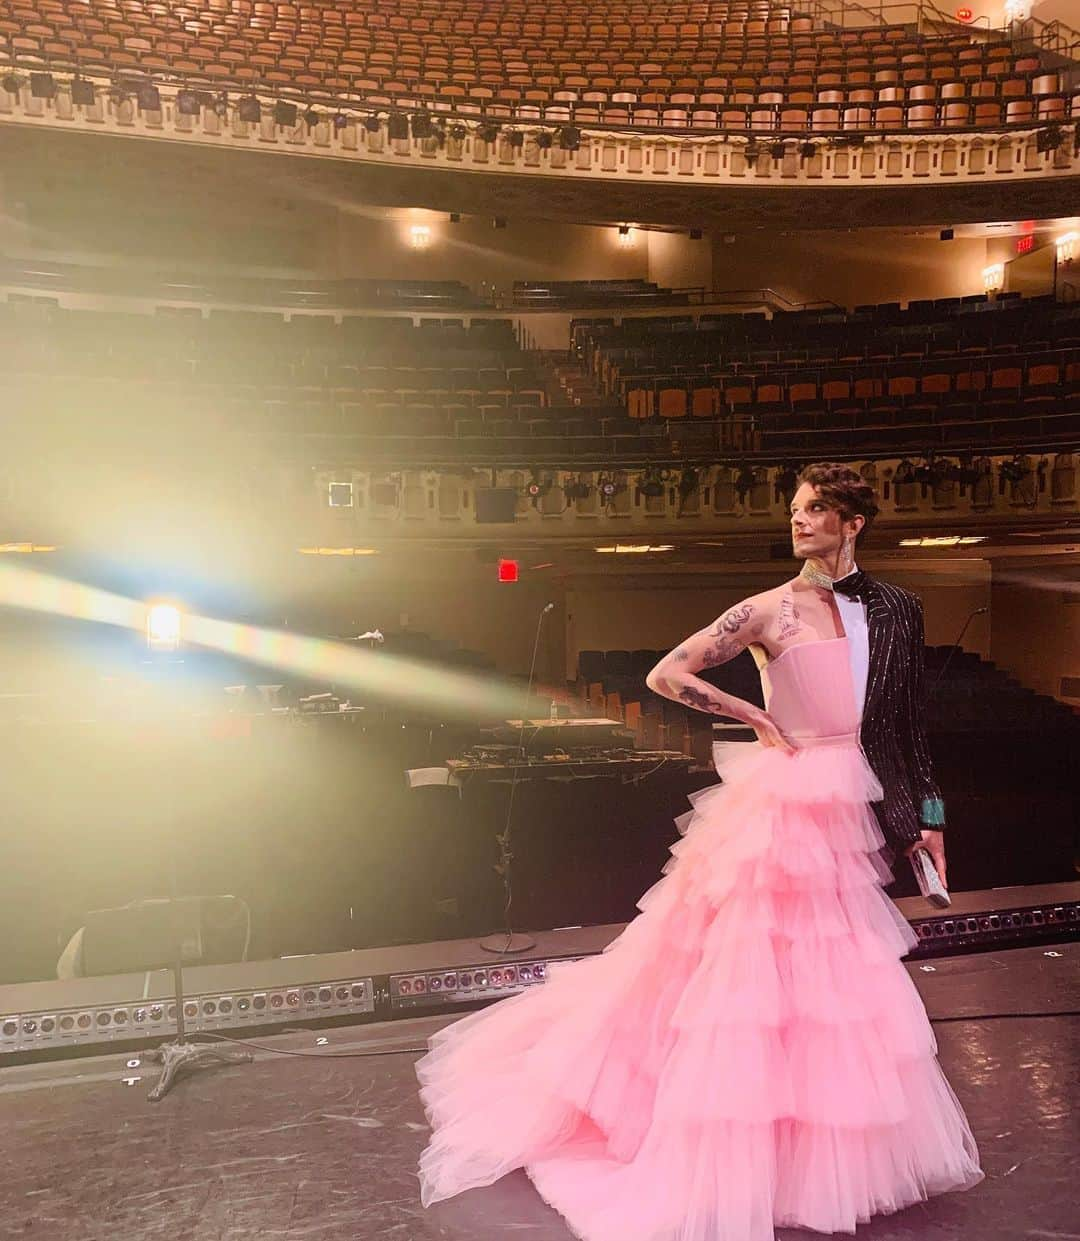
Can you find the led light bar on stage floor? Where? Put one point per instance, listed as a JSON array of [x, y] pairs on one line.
[[409, 992], [1000, 917], [78, 1013], [380, 984]]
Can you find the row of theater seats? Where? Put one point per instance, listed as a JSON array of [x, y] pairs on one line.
[[562, 294], [1043, 376], [973, 693], [766, 72], [207, 289], [955, 373], [322, 374], [752, 345]]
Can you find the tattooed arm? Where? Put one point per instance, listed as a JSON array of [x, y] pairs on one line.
[[674, 678], [674, 675]]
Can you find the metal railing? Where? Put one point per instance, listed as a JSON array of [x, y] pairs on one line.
[[765, 127], [1054, 37]]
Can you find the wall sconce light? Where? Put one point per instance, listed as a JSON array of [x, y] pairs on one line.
[[994, 277], [1066, 246], [420, 236], [626, 237]]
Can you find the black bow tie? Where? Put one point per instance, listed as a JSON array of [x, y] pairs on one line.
[[853, 586]]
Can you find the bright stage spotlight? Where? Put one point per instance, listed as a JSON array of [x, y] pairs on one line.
[[163, 627]]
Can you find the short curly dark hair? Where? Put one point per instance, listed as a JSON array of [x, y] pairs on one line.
[[844, 489]]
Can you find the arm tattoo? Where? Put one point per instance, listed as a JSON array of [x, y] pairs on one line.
[[682, 655], [733, 619], [788, 617], [700, 700]]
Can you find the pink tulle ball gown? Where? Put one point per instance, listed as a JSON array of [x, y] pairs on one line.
[[750, 1052]]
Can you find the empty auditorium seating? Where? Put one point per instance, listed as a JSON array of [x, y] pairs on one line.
[[952, 372], [256, 370], [562, 294], [753, 65]]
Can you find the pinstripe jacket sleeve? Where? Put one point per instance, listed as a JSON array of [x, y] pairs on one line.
[[925, 792]]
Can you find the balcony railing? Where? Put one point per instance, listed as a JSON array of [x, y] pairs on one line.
[[843, 146]]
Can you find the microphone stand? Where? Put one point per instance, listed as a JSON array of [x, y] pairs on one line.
[[509, 940], [952, 649]]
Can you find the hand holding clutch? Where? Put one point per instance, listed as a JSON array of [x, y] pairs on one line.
[[928, 879]]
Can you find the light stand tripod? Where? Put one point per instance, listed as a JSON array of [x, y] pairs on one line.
[[178, 1056], [508, 940]]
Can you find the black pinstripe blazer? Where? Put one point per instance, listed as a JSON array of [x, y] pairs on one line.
[[893, 731]]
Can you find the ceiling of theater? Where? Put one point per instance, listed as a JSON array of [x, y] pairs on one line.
[[224, 179]]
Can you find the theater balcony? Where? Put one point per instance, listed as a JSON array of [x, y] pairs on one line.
[[706, 114]]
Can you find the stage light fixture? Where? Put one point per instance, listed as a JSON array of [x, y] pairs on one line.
[[11, 83], [516, 139], [285, 114], [751, 152], [397, 128], [372, 123], [83, 94], [42, 86], [544, 140], [777, 150], [249, 109], [570, 138], [808, 150], [457, 132], [311, 118], [652, 482], [148, 97], [422, 126], [487, 132], [341, 120], [688, 481], [188, 103], [420, 236], [1048, 139], [163, 625]]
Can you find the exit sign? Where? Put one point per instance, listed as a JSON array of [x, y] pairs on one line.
[[1025, 244]]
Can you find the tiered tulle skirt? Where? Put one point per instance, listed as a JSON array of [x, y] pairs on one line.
[[750, 1052]]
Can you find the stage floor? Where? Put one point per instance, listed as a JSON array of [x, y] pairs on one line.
[[326, 1149]]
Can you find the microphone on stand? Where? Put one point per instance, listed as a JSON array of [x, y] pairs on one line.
[[952, 649], [508, 940]]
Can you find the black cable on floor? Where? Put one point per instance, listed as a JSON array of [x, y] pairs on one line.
[[314, 1055]]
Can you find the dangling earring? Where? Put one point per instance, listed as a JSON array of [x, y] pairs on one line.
[[849, 558]]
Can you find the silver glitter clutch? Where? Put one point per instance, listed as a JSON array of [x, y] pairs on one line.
[[928, 879]]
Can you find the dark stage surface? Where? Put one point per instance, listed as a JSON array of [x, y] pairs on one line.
[[326, 1149]]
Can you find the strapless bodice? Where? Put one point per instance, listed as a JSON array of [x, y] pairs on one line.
[[809, 693]]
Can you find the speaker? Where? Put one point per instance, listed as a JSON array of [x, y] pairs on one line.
[[495, 504]]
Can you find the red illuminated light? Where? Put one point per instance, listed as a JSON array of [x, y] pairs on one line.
[[508, 570], [1025, 244], [964, 14]]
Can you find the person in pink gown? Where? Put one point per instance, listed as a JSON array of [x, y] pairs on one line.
[[750, 1052]]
